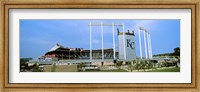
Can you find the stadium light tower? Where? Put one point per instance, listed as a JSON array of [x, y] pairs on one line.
[[102, 41], [140, 42], [147, 40], [90, 42], [102, 25], [145, 46], [124, 41], [151, 56]]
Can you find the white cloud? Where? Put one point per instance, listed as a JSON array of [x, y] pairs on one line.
[[147, 24]]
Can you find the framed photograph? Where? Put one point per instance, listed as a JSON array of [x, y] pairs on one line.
[[100, 46]]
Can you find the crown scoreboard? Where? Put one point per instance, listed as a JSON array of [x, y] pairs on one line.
[[126, 45]]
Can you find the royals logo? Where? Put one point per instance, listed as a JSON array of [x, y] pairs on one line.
[[130, 43]]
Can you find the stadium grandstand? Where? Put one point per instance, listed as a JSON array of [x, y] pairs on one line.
[[59, 52]]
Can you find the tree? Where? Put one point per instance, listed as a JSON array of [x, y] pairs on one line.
[[177, 51]]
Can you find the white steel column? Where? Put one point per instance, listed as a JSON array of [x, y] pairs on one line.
[[113, 30], [102, 41], [90, 42], [140, 45], [124, 42], [104, 24], [150, 45], [145, 47]]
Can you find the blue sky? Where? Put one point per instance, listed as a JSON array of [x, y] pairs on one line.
[[39, 36]]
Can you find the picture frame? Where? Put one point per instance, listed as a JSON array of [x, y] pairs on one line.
[[84, 87]]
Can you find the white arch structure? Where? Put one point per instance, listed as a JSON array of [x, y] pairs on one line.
[[102, 39], [147, 40]]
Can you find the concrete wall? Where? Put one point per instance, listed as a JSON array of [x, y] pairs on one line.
[[61, 68]]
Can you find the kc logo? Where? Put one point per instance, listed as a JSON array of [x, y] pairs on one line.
[[130, 44]]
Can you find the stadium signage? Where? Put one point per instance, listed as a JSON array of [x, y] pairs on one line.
[[130, 43]]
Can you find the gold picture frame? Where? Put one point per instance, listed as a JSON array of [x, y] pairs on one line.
[[105, 87]]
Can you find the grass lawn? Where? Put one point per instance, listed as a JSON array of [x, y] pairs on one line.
[[118, 70], [175, 69]]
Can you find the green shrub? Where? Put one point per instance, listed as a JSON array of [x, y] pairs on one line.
[[35, 68], [130, 67], [137, 65], [144, 65], [119, 63], [149, 65]]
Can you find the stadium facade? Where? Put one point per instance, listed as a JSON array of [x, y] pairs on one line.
[[59, 52]]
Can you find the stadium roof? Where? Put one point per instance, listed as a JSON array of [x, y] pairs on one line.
[[56, 47]]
